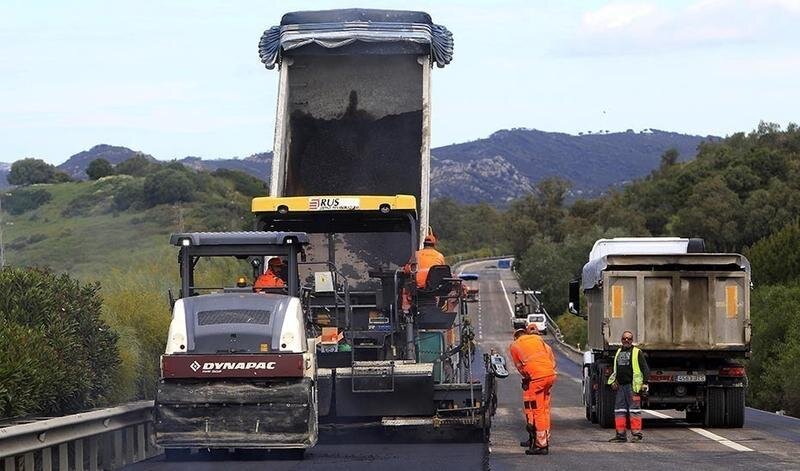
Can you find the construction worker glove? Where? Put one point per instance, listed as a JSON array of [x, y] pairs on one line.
[[526, 382]]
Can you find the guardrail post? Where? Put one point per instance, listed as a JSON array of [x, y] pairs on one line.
[[63, 457], [47, 459], [29, 461], [93, 452], [140, 454], [117, 457], [10, 464], [78, 455], [129, 455]]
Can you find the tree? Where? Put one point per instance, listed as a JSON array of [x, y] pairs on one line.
[[669, 158], [713, 212], [137, 166], [30, 171], [168, 186], [99, 168]]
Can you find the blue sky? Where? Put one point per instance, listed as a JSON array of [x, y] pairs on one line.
[[183, 77]]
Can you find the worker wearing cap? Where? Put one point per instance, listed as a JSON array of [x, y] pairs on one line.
[[628, 380], [272, 278], [536, 363], [427, 257]]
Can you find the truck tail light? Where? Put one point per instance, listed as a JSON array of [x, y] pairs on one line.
[[732, 371]]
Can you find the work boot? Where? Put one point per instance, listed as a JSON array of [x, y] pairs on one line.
[[619, 438], [636, 437], [529, 442], [538, 451]]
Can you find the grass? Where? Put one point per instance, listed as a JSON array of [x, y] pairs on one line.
[[79, 232]]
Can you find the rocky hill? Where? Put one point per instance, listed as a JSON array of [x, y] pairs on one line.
[[75, 166], [592, 162], [257, 165], [495, 169]]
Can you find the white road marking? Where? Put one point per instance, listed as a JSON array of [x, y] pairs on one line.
[[713, 436], [505, 294]]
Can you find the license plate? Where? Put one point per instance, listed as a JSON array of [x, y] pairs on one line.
[[690, 378]]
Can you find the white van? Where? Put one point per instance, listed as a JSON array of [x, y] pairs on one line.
[[539, 321]]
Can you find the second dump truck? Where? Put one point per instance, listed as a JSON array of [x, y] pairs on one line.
[[688, 310]]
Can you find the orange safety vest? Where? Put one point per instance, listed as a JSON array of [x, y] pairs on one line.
[[269, 280], [427, 257], [533, 357]]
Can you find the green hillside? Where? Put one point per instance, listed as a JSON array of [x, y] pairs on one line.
[[113, 231], [82, 228]]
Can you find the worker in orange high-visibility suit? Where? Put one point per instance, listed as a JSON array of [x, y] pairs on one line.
[[427, 257], [535, 362], [272, 277], [424, 259]]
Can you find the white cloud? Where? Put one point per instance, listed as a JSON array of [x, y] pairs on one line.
[[615, 16], [645, 27]]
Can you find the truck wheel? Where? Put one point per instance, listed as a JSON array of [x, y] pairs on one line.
[[591, 415], [605, 406], [734, 407], [715, 408], [695, 416]]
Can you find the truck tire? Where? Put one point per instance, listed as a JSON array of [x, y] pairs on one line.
[[734, 407], [715, 408], [591, 415], [605, 406], [695, 416]]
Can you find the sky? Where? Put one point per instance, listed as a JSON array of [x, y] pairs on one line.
[[182, 78]]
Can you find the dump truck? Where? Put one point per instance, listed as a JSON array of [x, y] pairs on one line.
[[238, 371], [689, 311], [351, 167]]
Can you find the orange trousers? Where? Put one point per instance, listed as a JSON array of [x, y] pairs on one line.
[[536, 402]]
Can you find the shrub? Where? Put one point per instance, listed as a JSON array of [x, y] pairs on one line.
[[99, 168], [58, 356], [168, 186], [30, 171], [136, 166], [243, 183], [131, 194], [773, 369], [574, 329], [22, 200]]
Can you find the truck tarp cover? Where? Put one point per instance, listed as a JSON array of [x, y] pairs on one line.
[[338, 28], [593, 271]]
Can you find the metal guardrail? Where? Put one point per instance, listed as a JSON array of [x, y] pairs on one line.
[[101, 439]]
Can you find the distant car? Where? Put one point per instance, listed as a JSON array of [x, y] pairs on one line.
[[505, 263], [471, 291], [519, 322], [539, 321]]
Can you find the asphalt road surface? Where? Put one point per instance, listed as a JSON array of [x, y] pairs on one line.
[[767, 441]]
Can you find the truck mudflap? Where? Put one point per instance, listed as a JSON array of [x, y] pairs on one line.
[[274, 413]]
